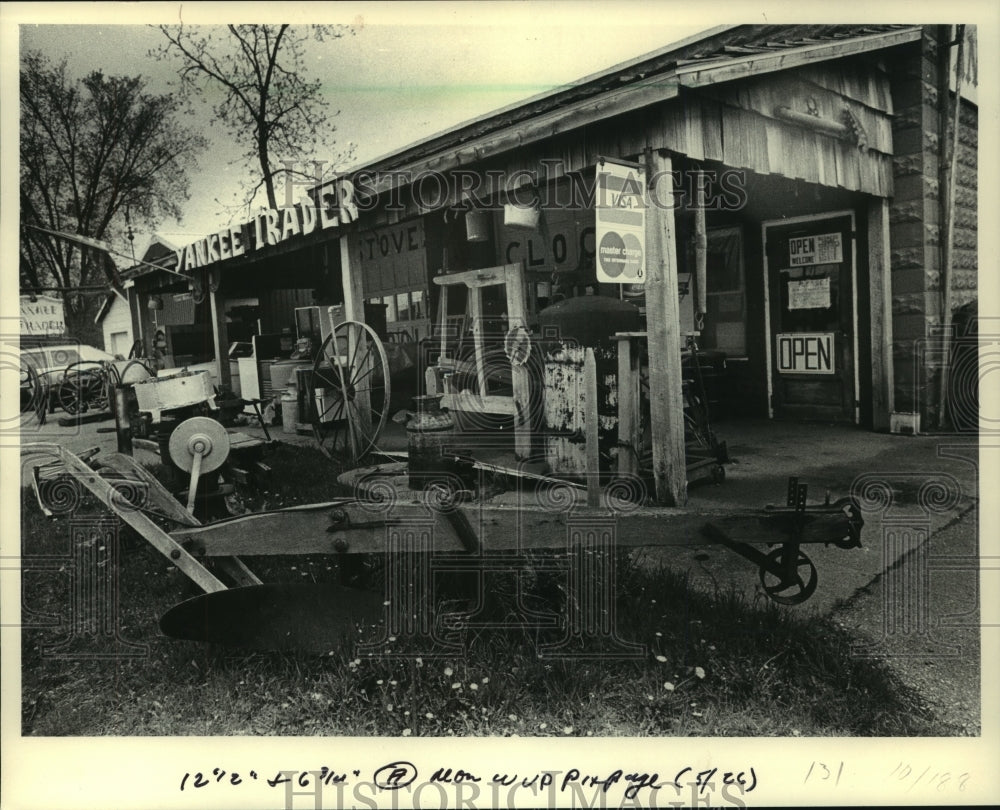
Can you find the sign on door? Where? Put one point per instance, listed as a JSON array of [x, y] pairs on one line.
[[805, 353]]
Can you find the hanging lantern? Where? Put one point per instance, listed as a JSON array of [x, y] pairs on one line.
[[476, 226]]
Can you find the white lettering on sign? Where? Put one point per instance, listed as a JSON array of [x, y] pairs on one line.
[[391, 259], [805, 353], [825, 248], [620, 223], [43, 316], [271, 227]]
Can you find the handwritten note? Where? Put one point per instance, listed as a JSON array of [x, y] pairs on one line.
[[401, 775]]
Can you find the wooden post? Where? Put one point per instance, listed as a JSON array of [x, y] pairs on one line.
[[590, 425], [220, 337], [476, 313], [880, 297], [628, 409], [517, 316], [135, 313], [353, 285], [354, 310], [663, 327], [123, 425], [700, 252]]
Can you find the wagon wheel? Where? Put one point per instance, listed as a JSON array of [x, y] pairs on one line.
[[31, 387], [795, 586], [83, 389], [349, 405]]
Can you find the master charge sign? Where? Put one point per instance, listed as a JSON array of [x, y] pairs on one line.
[[620, 223]]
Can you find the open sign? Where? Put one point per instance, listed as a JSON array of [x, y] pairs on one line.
[[805, 353]]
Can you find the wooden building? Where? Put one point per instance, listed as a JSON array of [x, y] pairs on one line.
[[816, 169]]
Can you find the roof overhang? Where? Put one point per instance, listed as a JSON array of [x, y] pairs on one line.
[[607, 104]]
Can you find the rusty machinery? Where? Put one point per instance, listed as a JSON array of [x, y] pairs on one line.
[[464, 520]]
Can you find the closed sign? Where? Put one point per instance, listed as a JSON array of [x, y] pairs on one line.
[[805, 353]]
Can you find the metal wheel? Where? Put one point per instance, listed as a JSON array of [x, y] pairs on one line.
[[84, 387], [796, 585], [31, 387], [349, 391]]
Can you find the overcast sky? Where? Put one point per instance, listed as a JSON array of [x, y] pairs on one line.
[[406, 72]]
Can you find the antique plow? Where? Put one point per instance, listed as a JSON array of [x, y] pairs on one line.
[[457, 522]]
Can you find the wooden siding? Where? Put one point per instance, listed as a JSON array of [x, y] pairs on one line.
[[733, 123], [277, 308], [118, 320]]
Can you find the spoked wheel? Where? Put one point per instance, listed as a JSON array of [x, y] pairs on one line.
[[30, 385], [83, 388], [796, 584], [350, 391]]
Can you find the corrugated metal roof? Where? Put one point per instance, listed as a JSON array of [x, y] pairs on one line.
[[716, 48]]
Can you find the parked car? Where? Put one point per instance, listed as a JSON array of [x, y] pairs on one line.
[[50, 365]]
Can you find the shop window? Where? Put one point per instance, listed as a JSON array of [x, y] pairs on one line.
[[725, 321], [417, 305], [403, 306]]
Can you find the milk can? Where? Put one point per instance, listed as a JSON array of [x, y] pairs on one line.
[[428, 431]]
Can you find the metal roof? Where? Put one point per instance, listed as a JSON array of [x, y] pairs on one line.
[[714, 55]]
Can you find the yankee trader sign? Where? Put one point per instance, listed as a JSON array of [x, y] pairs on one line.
[[271, 227]]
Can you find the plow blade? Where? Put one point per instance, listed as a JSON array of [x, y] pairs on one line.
[[306, 617]]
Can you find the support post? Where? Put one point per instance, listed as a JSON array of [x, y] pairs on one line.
[[135, 313], [664, 336], [590, 425], [517, 316], [880, 297], [354, 310], [220, 337], [353, 285], [628, 409]]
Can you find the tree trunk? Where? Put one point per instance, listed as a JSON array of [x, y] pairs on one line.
[[80, 322]]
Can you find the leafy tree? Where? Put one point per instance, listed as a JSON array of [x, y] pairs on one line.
[[268, 104], [93, 151]]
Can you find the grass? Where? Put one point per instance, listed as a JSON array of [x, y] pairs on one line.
[[716, 664]]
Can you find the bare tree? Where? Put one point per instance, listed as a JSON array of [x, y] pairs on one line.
[[92, 151], [267, 102]]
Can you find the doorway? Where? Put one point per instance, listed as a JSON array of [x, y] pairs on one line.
[[810, 295]]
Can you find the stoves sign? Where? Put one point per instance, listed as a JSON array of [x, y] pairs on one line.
[[43, 316], [271, 227]]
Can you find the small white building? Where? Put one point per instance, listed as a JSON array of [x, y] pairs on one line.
[[116, 324]]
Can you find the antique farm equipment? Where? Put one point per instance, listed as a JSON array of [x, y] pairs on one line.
[[351, 387], [464, 522], [180, 410]]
